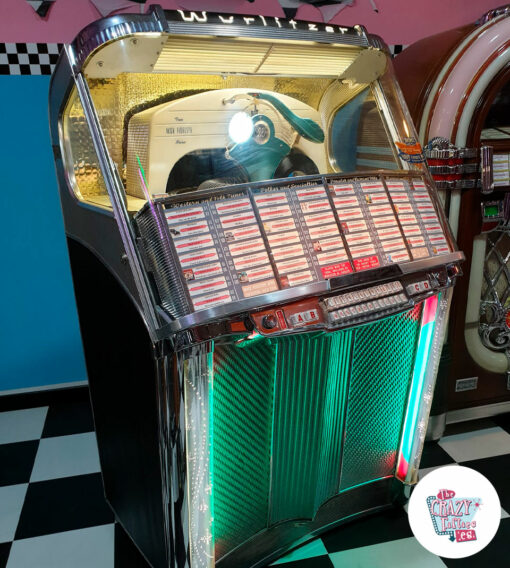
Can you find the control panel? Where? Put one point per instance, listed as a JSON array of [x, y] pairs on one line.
[[352, 307]]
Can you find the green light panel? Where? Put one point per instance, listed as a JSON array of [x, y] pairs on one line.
[[307, 440], [243, 409], [382, 369], [299, 418]]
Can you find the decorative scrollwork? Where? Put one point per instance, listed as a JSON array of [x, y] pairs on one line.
[[495, 335], [494, 325]]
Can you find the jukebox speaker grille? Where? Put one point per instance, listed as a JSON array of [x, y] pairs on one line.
[[160, 264], [309, 395], [300, 418], [381, 372], [241, 441]]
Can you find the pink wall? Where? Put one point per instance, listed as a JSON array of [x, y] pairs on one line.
[[398, 21]]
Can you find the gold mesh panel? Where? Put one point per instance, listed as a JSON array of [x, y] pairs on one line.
[[80, 155]]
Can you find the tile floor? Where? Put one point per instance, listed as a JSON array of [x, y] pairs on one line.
[[53, 513]]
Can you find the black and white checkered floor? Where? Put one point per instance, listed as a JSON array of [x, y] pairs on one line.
[[53, 513]]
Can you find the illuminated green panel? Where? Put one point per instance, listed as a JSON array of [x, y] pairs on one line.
[[490, 210], [382, 368], [243, 408], [280, 444], [307, 437]]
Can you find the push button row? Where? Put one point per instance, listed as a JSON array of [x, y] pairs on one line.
[[417, 287], [368, 294], [367, 307], [304, 317]]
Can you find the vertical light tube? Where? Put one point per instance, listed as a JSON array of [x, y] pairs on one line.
[[198, 374], [420, 395]]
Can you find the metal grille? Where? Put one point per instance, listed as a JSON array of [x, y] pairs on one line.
[[298, 419], [495, 300], [243, 408], [138, 144], [373, 150], [496, 274], [311, 381], [382, 368], [161, 265]]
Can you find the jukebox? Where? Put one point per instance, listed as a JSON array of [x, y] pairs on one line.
[[457, 86], [262, 273]]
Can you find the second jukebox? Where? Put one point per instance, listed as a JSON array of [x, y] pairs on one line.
[[457, 86], [262, 272]]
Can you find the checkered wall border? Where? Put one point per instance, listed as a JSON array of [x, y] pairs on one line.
[[40, 58], [28, 58]]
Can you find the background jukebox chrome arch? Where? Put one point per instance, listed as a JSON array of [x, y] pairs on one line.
[[462, 106]]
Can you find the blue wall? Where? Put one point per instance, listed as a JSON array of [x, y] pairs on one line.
[[39, 335]]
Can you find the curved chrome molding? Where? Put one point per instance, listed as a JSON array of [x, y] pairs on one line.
[[378, 42], [495, 13], [250, 304], [448, 153], [113, 28], [284, 296], [155, 21], [115, 191], [430, 263]]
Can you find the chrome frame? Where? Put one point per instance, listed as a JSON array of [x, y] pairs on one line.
[[117, 196]]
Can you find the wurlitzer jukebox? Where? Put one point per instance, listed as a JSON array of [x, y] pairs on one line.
[[457, 86], [262, 274]]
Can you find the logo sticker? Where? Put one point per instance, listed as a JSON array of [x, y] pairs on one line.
[[454, 512], [410, 151]]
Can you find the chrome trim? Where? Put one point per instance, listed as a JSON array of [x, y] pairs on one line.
[[250, 304], [456, 169], [450, 153], [105, 30], [493, 14], [155, 20], [116, 192], [457, 184], [436, 427], [431, 262], [378, 42], [262, 32], [476, 412], [487, 165], [429, 383]]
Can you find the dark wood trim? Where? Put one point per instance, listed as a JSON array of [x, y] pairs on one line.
[[418, 66]]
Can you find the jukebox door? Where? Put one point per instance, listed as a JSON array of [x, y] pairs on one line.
[[481, 315]]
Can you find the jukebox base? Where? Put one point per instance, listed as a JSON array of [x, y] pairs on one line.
[[274, 542]]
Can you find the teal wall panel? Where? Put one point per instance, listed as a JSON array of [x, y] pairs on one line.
[[39, 335]]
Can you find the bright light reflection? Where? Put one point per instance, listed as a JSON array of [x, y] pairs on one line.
[[240, 127]]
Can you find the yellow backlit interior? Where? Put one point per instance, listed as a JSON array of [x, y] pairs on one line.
[[185, 66]]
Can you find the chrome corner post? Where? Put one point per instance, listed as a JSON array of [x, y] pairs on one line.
[[116, 193]]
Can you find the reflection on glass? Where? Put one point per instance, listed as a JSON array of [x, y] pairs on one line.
[[497, 123]]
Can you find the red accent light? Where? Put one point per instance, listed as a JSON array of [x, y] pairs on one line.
[[429, 310], [403, 468]]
